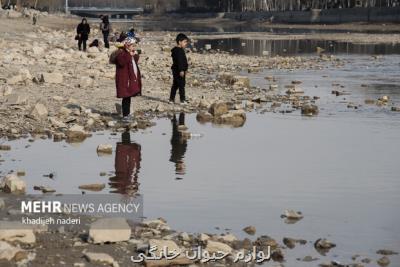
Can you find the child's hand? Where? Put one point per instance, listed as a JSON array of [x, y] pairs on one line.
[[182, 73]]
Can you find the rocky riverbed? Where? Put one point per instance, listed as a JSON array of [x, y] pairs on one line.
[[50, 90], [48, 87], [118, 242]]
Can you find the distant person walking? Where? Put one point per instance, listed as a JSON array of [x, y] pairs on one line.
[[105, 28], [34, 19], [127, 78], [179, 68], [83, 31]]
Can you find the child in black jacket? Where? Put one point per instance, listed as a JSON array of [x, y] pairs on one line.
[[179, 68]]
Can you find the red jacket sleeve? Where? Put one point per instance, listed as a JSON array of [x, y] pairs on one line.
[[121, 59]]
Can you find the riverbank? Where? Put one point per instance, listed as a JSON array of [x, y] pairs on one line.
[[48, 86]]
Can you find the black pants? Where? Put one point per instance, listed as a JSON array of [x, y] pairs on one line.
[[80, 42], [105, 39], [126, 106], [178, 83]]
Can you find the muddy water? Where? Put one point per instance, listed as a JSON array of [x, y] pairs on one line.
[[341, 168]]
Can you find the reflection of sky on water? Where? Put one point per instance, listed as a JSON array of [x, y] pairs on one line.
[[339, 168]]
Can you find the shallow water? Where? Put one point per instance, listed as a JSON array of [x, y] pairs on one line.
[[342, 173], [341, 168], [187, 26], [287, 47], [360, 78]]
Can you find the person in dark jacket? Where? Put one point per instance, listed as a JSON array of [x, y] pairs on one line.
[[105, 28], [179, 68], [178, 145], [127, 166], [127, 78], [83, 31], [34, 19]]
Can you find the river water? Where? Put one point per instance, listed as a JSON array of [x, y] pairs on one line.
[[340, 168]]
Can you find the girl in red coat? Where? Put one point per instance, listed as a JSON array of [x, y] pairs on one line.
[[128, 79]]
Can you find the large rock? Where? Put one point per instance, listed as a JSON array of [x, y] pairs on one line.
[[104, 149], [180, 260], [109, 230], [156, 224], [324, 244], [26, 75], [251, 230], [57, 123], [309, 110], [161, 244], [15, 79], [5, 90], [54, 78], [264, 241], [204, 117], [241, 81], [215, 246], [17, 99], [86, 82], [234, 117], [226, 78], [227, 238], [76, 134], [92, 187], [204, 104], [37, 50], [12, 231], [11, 183], [65, 111], [384, 261], [218, 109], [39, 111], [12, 14], [293, 215], [8, 252], [97, 258]]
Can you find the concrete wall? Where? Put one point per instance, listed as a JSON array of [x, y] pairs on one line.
[[327, 16]]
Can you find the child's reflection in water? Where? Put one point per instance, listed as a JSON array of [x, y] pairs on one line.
[[127, 166], [178, 144]]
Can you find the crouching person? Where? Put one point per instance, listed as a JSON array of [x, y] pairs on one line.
[[127, 79]]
